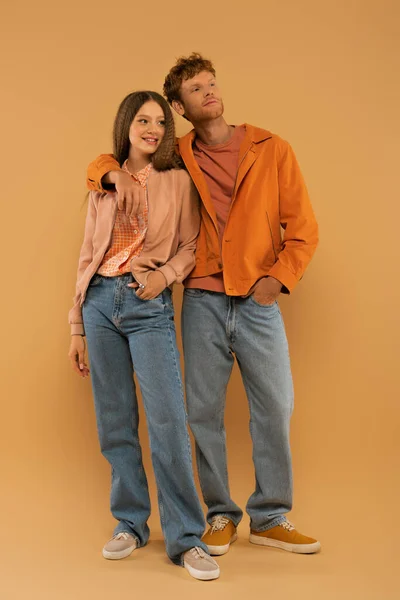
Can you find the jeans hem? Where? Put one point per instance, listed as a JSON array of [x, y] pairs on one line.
[[276, 521], [227, 515], [135, 537]]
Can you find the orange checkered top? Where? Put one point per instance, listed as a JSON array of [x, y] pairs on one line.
[[128, 234]]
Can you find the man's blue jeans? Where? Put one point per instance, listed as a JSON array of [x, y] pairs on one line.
[[127, 335], [215, 327]]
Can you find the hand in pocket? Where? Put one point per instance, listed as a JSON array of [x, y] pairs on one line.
[[267, 290]]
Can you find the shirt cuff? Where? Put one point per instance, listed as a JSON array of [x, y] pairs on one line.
[[77, 329]]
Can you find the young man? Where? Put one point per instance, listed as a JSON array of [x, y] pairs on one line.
[[250, 187]]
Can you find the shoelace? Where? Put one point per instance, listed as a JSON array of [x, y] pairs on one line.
[[287, 525], [197, 552], [218, 524], [121, 536]]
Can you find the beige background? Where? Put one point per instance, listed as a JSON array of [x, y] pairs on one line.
[[323, 75]]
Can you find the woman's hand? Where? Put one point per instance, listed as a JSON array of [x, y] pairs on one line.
[[155, 284], [77, 355]]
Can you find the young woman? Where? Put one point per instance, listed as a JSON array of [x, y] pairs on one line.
[[124, 308]]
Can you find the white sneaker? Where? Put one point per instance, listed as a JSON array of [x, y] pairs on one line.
[[200, 565], [121, 545]]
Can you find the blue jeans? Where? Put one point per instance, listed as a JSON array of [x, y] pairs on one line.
[[127, 335], [215, 327]]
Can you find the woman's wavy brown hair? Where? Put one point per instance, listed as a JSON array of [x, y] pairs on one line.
[[165, 156]]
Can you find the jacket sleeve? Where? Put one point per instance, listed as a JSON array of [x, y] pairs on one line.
[[85, 258], [98, 168], [297, 219], [180, 265]]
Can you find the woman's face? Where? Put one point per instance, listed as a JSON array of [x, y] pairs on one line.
[[147, 128]]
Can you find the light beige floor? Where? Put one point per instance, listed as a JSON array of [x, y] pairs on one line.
[[54, 512], [62, 564]]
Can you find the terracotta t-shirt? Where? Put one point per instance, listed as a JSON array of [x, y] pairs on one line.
[[219, 165]]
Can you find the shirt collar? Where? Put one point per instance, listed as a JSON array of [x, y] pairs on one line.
[[142, 175]]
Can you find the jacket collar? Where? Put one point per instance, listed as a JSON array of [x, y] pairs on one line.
[[247, 155], [253, 135]]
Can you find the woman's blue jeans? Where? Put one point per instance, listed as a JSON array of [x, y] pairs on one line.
[[126, 335]]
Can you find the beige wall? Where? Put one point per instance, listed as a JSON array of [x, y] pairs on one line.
[[323, 75]]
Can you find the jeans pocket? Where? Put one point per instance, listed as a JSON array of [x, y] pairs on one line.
[[158, 299], [167, 296], [96, 279], [266, 306]]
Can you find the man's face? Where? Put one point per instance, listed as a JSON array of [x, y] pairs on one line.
[[200, 98]]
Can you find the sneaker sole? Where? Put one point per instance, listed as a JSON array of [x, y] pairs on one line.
[[118, 555], [202, 575], [296, 548], [219, 550]]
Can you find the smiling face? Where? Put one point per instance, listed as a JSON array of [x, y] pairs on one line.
[[147, 129], [200, 98]]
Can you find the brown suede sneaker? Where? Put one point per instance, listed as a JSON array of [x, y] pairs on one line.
[[220, 536], [286, 537]]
